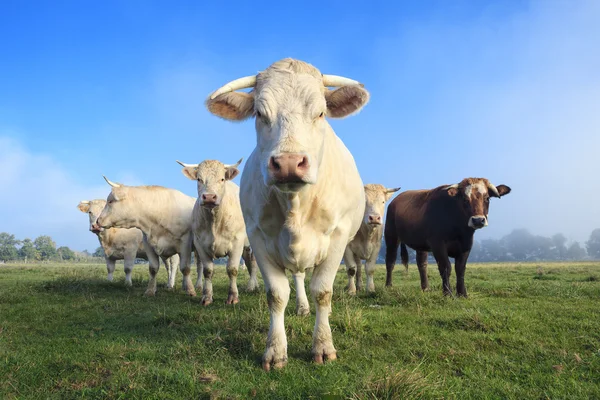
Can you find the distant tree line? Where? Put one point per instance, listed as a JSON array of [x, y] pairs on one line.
[[521, 245], [43, 248]]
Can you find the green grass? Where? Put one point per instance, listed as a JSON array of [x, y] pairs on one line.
[[526, 331]]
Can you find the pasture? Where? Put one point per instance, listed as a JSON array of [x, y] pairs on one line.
[[526, 331]]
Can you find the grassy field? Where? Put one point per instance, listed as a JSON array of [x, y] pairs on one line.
[[526, 331]]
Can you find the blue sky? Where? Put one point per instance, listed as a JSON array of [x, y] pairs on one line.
[[508, 90]]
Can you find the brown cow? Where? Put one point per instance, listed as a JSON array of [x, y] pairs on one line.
[[441, 220]]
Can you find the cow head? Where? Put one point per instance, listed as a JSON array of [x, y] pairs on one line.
[[289, 102], [119, 210], [92, 208], [211, 176], [376, 196], [474, 195]]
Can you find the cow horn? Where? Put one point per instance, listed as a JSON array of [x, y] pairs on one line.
[[455, 186], [335, 80], [85, 202], [393, 190], [493, 189], [186, 165], [234, 165], [240, 83], [111, 183]]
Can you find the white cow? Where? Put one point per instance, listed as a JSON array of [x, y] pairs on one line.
[[164, 215], [121, 244], [218, 225], [367, 242], [301, 194]]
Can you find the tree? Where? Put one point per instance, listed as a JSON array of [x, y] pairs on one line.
[[65, 253], [593, 244], [28, 252], [8, 247], [558, 246], [575, 252], [99, 252], [46, 247]]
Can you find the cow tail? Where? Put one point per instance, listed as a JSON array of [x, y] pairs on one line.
[[404, 255]]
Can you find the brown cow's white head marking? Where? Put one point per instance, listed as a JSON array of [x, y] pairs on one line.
[[290, 101], [376, 196], [475, 194], [211, 176], [92, 208]]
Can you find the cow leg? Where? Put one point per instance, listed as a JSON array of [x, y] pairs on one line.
[[110, 268], [252, 268], [208, 269], [153, 266], [233, 263], [460, 264], [128, 262], [370, 271], [391, 254], [350, 262], [199, 265], [422, 266], [175, 262], [358, 273], [441, 257], [321, 288], [302, 306], [185, 255]]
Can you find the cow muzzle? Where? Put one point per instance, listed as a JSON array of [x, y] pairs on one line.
[[209, 200], [478, 221], [289, 170], [95, 228], [374, 219]]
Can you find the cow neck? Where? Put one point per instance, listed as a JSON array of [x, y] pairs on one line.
[[369, 231], [148, 218]]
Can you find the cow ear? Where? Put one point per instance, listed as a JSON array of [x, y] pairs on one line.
[[231, 173], [452, 190], [503, 190], [84, 206], [190, 172], [233, 106], [346, 100], [390, 192]]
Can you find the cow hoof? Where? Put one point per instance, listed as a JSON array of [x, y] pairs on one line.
[[232, 299], [352, 292], [150, 293], [206, 301], [426, 289], [276, 363], [302, 311], [320, 358], [191, 293]]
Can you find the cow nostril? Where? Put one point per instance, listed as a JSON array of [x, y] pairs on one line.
[[303, 162], [273, 164]]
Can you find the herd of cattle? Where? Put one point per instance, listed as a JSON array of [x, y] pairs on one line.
[[301, 204]]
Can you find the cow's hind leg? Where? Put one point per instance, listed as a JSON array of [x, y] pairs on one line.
[[252, 267], [358, 273], [422, 266], [351, 266], [441, 257], [110, 269], [153, 266], [460, 264], [128, 267], [302, 306]]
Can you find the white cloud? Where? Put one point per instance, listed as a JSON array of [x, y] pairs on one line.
[[39, 197]]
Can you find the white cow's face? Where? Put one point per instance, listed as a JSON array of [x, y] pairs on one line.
[[376, 197], [119, 211], [93, 208], [211, 176], [290, 104]]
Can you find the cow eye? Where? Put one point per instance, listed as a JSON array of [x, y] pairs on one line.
[[222, 179]]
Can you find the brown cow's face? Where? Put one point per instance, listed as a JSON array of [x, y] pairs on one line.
[[474, 195], [376, 196], [93, 209], [211, 176]]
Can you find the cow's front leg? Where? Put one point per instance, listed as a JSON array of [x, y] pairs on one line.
[[252, 267], [233, 263], [358, 273], [110, 269], [350, 262], [185, 255], [278, 294], [441, 257], [370, 272], [128, 267], [199, 266], [321, 288], [302, 306], [153, 266], [208, 269]]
